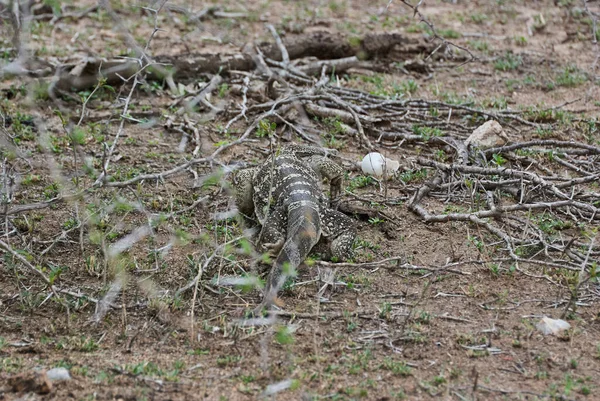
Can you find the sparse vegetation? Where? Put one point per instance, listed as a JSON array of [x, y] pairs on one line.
[[124, 262], [508, 62]]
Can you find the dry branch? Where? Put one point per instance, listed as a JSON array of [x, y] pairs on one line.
[[326, 45], [323, 45]]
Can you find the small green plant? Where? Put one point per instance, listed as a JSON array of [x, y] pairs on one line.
[[153, 87], [51, 191], [499, 103], [144, 368], [512, 84], [415, 28], [284, 335], [356, 280], [508, 62], [228, 360], [199, 351], [247, 379], [77, 136], [40, 90], [449, 33], [385, 311], [122, 207], [423, 317], [479, 18], [334, 125], [550, 224], [332, 142], [360, 181], [570, 76], [351, 326], [494, 269], [31, 179], [377, 81], [22, 127], [87, 344], [101, 91], [480, 45], [399, 368], [539, 115], [544, 133], [265, 128], [438, 380], [440, 155], [55, 272], [520, 40], [498, 159], [70, 223], [477, 242], [412, 176], [11, 364], [565, 3], [223, 89], [426, 132], [103, 377], [409, 87], [475, 353], [338, 8], [376, 220]]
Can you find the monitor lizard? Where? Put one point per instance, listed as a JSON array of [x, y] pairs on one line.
[[283, 198]]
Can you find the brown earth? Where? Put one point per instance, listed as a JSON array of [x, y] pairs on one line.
[[385, 331]]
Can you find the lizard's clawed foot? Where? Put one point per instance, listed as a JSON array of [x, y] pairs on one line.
[[271, 250], [269, 302]]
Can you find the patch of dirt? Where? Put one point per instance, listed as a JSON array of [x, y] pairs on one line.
[[425, 309]]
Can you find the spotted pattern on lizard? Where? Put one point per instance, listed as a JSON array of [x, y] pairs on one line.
[[284, 198]]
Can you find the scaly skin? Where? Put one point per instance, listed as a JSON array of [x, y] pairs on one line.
[[284, 197]]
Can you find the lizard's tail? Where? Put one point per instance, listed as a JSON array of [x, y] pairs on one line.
[[304, 231]]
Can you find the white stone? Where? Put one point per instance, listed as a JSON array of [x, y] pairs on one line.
[[58, 374], [488, 135], [552, 326]]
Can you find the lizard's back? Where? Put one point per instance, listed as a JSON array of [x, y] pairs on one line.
[[287, 194], [285, 182]]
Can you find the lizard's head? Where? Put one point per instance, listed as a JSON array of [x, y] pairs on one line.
[[242, 178], [242, 183]]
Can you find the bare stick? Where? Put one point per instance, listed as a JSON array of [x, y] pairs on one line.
[[284, 53], [436, 35], [20, 258]]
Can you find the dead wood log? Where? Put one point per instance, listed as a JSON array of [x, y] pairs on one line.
[[338, 65], [87, 74], [322, 45], [327, 45], [344, 116]]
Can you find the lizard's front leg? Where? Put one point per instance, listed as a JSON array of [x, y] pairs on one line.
[[340, 231], [272, 235], [332, 171], [243, 186]]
